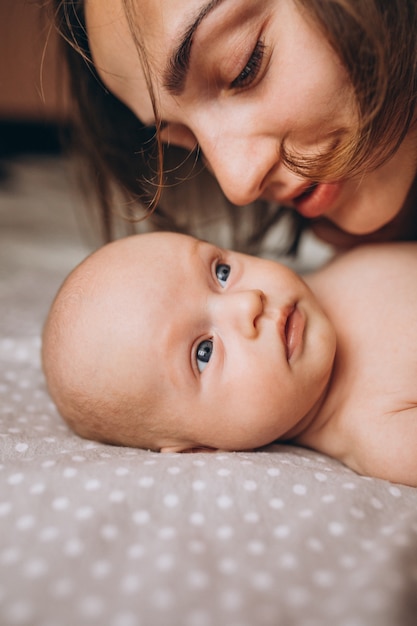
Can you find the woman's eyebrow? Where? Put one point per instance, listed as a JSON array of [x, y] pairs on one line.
[[178, 64]]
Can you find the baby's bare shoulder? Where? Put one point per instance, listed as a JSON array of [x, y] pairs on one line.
[[377, 257], [371, 295], [371, 440], [387, 447], [377, 269]]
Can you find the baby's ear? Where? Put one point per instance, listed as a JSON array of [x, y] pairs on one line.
[[183, 448]]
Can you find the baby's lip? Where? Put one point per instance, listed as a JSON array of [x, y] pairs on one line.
[[293, 330], [282, 325]]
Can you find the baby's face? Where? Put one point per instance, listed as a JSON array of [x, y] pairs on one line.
[[234, 350]]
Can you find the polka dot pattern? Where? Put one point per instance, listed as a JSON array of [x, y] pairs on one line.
[[94, 535]]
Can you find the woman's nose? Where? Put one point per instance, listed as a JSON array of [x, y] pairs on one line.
[[240, 163], [239, 309]]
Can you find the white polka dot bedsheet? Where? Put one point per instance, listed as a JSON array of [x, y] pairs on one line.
[[107, 536]]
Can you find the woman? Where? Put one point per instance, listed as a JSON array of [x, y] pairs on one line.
[[303, 104]]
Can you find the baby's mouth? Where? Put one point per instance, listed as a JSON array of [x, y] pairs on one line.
[[293, 331], [286, 330]]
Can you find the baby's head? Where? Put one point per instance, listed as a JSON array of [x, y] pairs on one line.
[[165, 342]]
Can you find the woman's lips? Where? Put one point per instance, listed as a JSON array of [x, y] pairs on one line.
[[317, 200], [294, 331]]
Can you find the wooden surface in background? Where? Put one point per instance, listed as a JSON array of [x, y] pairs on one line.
[[32, 81]]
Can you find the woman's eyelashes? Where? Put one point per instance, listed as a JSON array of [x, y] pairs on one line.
[[204, 352], [222, 273], [252, 68]]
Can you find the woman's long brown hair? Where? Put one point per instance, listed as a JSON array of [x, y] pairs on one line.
[[376, 43]]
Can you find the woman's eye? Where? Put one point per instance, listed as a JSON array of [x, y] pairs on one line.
[[204, 352], [222, 273], [251, 69]]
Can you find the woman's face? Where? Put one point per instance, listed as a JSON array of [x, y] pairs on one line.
[[236, 78]]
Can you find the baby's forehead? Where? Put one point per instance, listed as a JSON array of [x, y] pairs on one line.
[[147, 246], [131, 276]]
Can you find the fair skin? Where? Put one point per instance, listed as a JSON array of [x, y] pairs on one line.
[[228, 351], [269, 346], [229, 102]]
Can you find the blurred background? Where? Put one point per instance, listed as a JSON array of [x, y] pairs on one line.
[[43, 230], [33, 102]]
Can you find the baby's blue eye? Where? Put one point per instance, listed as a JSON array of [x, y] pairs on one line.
[[204, 352], [222, 273]]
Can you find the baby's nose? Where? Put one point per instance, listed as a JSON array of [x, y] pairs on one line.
[[242, 310]]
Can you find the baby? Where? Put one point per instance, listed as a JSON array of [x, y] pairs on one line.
[[166, 342]]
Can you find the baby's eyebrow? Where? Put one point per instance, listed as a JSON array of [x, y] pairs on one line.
[[204, 242], [178, 64]]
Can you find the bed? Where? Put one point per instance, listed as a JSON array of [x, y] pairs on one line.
[[101, 535]]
